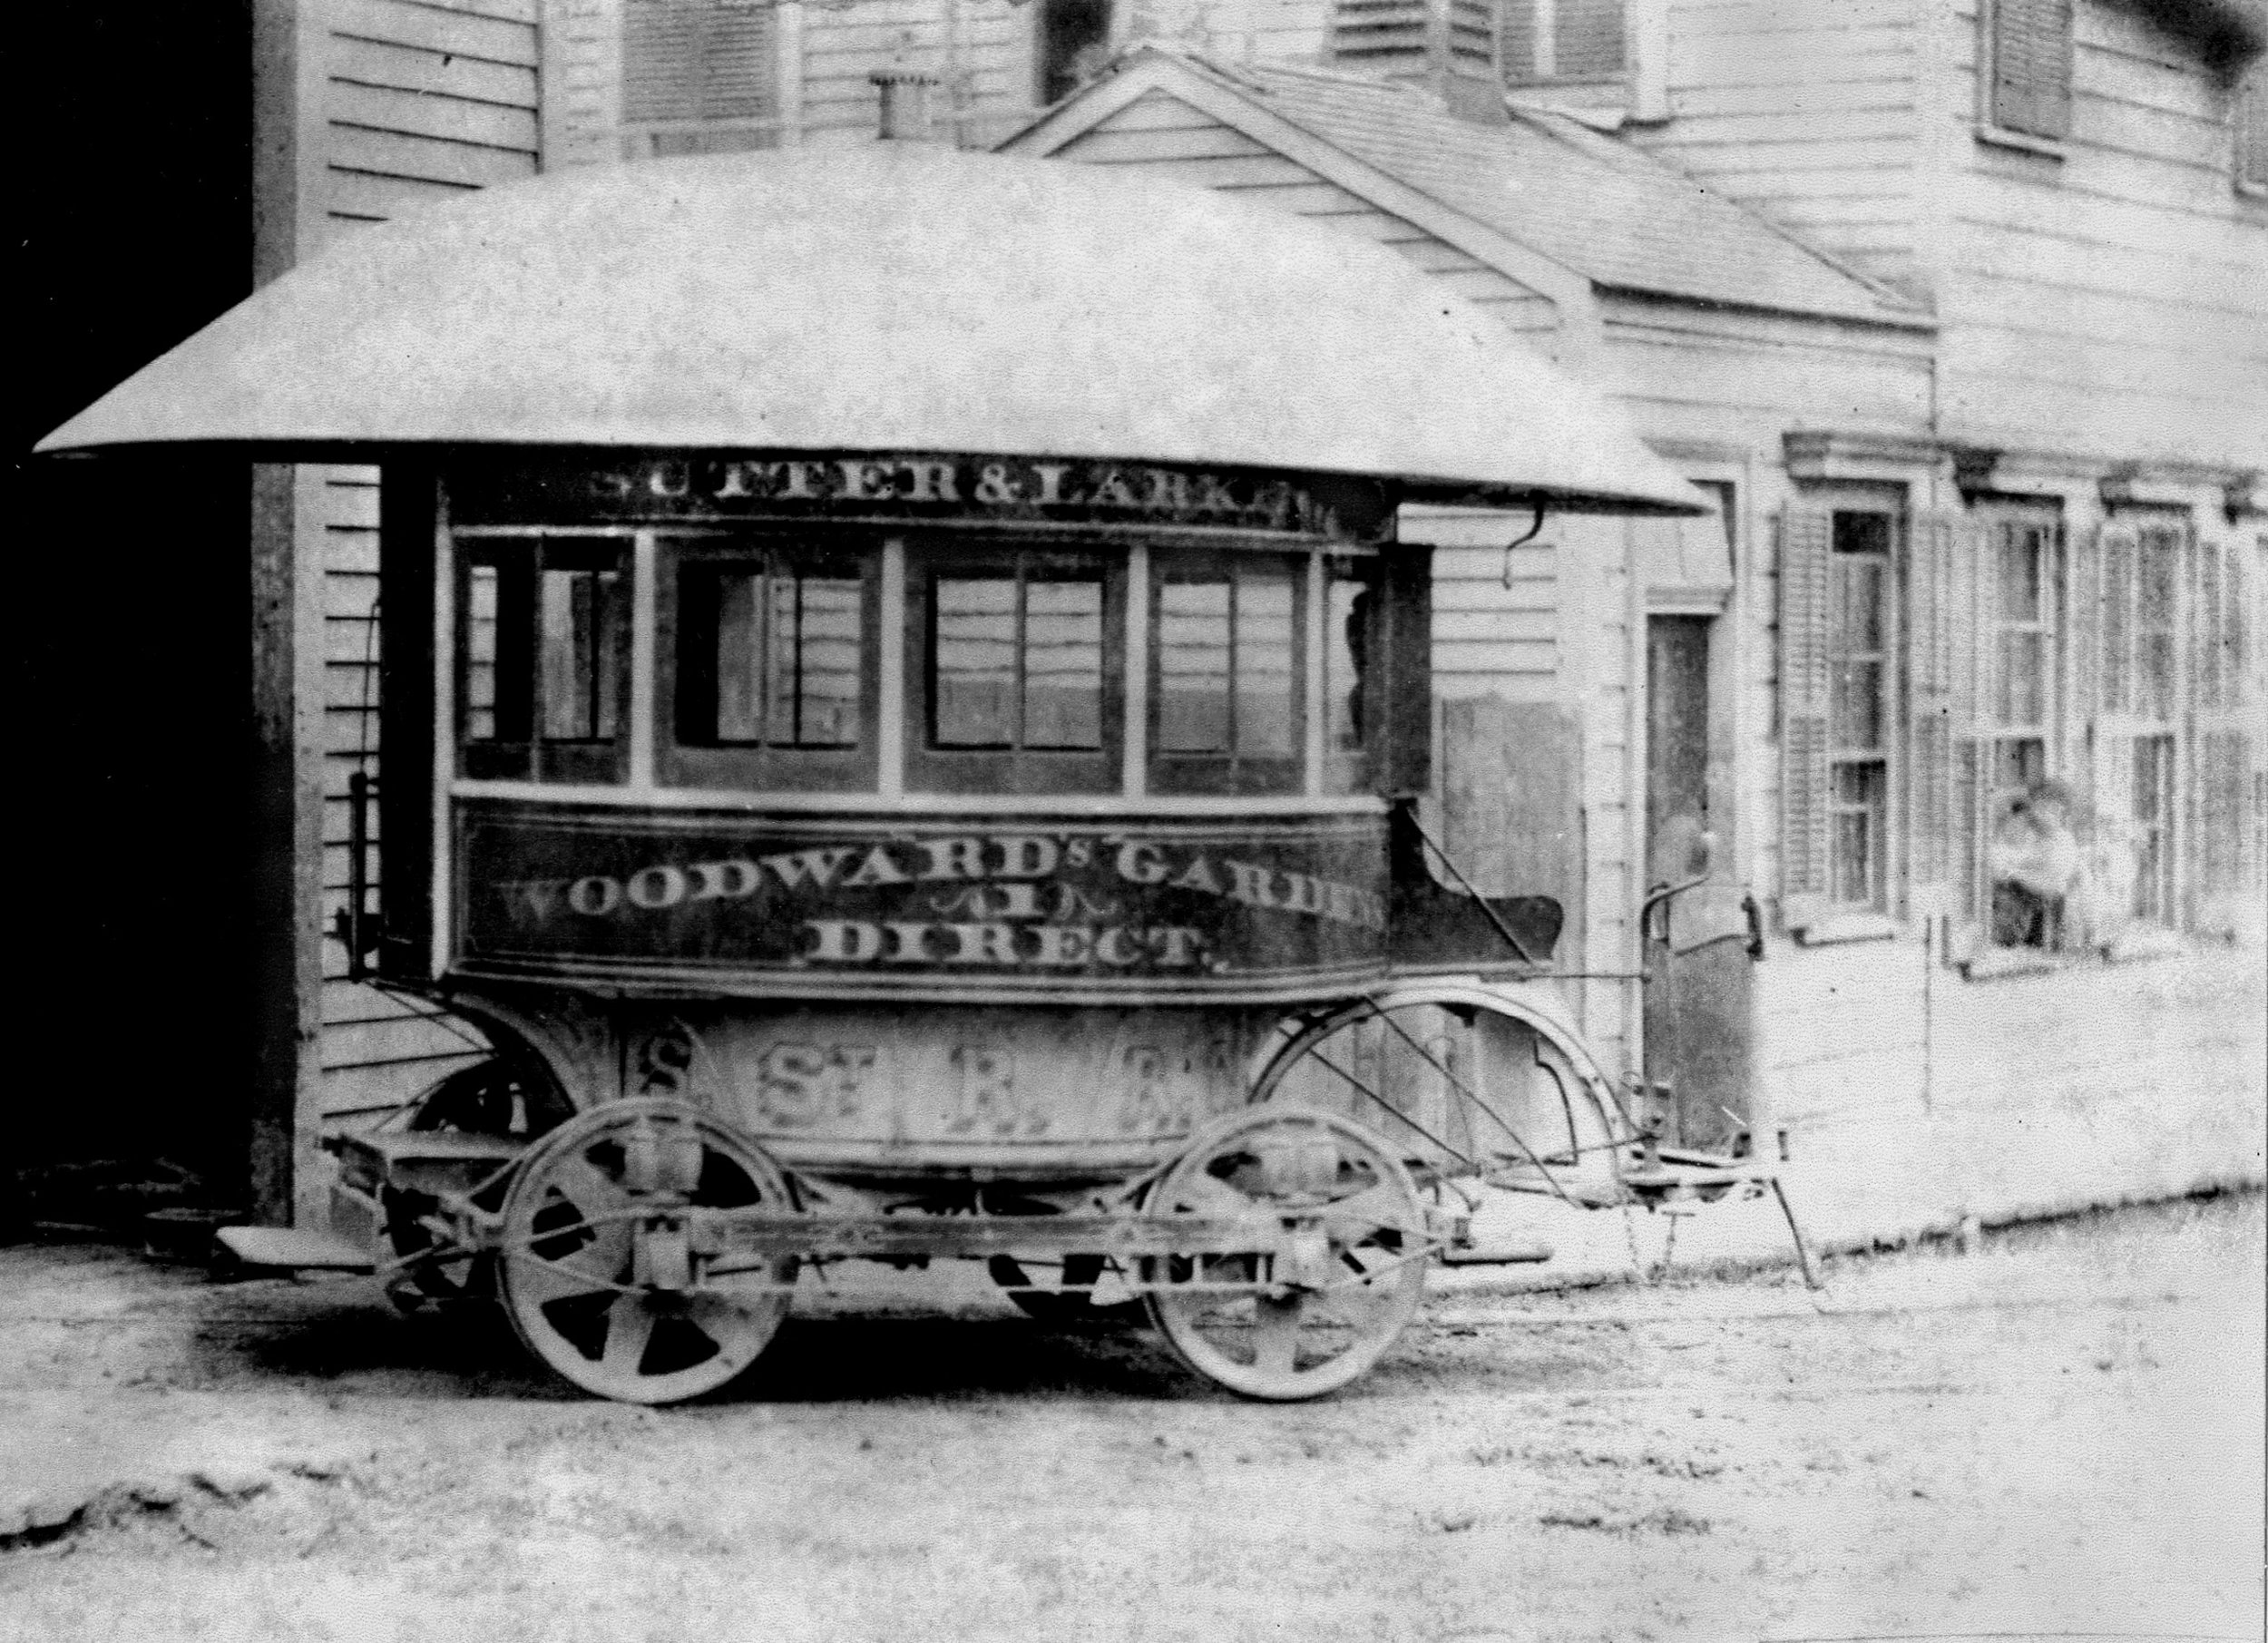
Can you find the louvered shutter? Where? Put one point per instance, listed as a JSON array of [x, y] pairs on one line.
[[1968, 680], [2082, 639], [686, 60], [1472, 35], [1588, 40], [2031, 66], [1518, 23], [1805, 538], [1934, 836], [2227, 728], [1379, 33], [2252, 127]]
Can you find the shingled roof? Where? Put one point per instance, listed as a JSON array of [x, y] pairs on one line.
[[1602, 207]]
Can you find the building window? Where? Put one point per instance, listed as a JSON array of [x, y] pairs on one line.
[[2025, 62], [1072, 45], [2251, 120], [1020, 681], [698, 77], [769, 660], [1564, 40], [1860, 583], [542, 658], [1228, 662], [1839, 636]]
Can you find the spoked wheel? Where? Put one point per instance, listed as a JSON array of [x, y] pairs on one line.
[[596, 1275], [1285, 1328], [1460, 1080]]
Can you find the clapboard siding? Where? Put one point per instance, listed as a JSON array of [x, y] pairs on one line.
[[422, 100], [2111, 303], [1166, 136], [1807, 112]]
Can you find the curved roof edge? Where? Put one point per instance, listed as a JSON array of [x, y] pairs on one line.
[[891, 297]]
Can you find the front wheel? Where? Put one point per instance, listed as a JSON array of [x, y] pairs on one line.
[[595, 1272], [1296, 1325]]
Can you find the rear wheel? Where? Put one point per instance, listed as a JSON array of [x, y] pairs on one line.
[[1290, 1327]]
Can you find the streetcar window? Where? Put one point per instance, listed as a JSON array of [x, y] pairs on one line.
[[1019, 663], [1225, 691], [1350, 606], [1018, 680], [542, 655], [767, 650]]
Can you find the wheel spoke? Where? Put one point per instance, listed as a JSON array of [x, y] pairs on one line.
[[629, 1327], [1207, 1196], [542, 1282], [1275, 1334], [590, 1190], [1372, 1209]]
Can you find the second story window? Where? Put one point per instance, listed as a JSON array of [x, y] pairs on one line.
[[1072, 42], [1564, 40], [2251, 118], [698, 77], [2024, 62]]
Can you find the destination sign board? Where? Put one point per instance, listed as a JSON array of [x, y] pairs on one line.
[[726, 485], [1083, 904]]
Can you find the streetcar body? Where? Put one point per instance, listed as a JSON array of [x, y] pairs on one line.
[[904, 729]]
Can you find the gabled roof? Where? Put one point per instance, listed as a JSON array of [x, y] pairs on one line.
[[1602, 207]]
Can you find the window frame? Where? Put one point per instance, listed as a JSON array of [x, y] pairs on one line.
[[1541, 28], [538, 759], [1185, 774], [761, 766], [1882, 809], [1022, 770], [2248, 131], [1998, 122]]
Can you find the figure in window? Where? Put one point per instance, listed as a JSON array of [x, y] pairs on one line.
[[2038, 867]]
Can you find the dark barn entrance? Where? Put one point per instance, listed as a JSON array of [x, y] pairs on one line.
[[130, 672]]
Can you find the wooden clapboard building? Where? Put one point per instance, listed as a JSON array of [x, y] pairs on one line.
[[1958, 307]]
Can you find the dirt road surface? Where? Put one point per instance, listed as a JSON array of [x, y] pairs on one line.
[[2060, 1433]]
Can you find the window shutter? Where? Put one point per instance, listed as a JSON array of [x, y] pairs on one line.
[[1589, 39], [1805, 538], [1518, 24], [2031, 66], [1931, 729], [2228, 727], [1967, 665], [688, 60], [1379, 33], [2252, 127]]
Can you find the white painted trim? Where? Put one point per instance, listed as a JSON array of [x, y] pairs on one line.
[[1112, 805], [644, 556], [788, 67], [1570, 292], [445, 644], [1313, 751], [1134, 719], [890, 687]]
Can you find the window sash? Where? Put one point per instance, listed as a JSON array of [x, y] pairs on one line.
[[542, 658], [1227, 666]]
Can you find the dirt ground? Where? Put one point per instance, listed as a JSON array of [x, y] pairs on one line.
[[2060, 1432]]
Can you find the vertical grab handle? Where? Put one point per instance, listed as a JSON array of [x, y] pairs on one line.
[[357, 875]]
